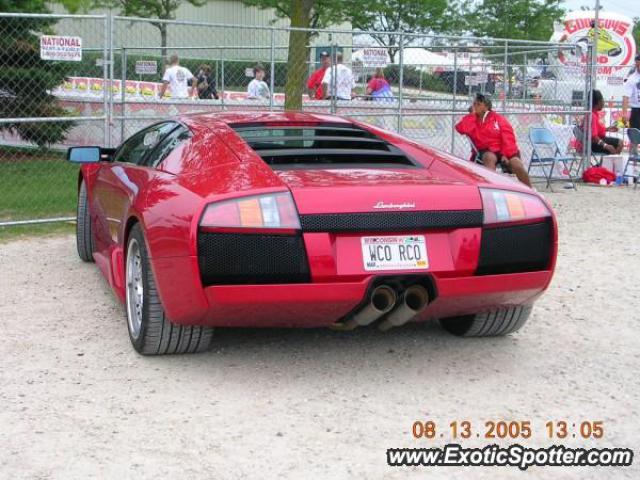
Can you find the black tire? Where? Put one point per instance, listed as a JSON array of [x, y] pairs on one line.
[[84, 235], [156, 334], [488, 324]]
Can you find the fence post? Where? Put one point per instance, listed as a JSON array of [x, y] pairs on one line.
[[123, 87], [334, 75], [589, 99], [222, 77], [505, 84], [105, 66], [401, 81], [524, 80], [455, 91], [272, 80], [111, 62]]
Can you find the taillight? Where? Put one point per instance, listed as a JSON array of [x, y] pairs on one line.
[[503, 206], [274, 212]]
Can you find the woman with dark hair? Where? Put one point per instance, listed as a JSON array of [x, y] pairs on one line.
[[205, 83], [600, 143], [493, 137]]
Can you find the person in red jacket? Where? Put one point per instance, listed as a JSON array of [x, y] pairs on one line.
[[600, 142], [314, 84], [493, 137]]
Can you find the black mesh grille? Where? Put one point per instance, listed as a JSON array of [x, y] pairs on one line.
[[391, 221], [521, 248], [240, 259]]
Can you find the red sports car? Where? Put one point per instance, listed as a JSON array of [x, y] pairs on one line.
[[265, 219]]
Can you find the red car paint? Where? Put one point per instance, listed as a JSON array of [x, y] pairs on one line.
[[217, 164]]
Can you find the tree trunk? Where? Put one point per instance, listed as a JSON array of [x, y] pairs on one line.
[[296, 62], [163, 40]]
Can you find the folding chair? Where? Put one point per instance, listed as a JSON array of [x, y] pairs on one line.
[[476, 155], [543, 138], [596, 158], [634, 158], [474, 151]]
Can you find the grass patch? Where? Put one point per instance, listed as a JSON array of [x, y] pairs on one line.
[[43, 229], [36, 184]]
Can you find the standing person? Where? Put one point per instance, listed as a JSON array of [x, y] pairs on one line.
[[493, 137], [205, 83], [258, 88], [631, 97], [344, 82], [600, 143], [177, 78], [314, 84], [378, 87]]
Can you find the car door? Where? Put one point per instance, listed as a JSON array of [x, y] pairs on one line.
[[120, 181]]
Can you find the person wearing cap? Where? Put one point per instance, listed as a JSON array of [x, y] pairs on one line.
[[314, 84], [493, 137], [631, 98], [258, 88]]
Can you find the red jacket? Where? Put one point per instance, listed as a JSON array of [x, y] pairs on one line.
[[315, 82], [598, 130], [493, 133]]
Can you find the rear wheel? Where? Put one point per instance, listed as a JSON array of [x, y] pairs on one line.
[[150, 331], [488, 324], [84, 235]]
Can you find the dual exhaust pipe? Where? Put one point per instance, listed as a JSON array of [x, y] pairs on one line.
[[384, 302]]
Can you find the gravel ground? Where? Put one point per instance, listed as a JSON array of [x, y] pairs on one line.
[[77, 402]]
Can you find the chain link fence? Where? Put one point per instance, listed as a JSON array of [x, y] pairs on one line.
[[417, 85]]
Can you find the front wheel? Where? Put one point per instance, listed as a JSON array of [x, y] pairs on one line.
[[84, 235], [488, 324], [150, 331]]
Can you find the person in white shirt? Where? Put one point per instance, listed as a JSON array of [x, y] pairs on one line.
[[344, 82], [258, 88], [631, 98], [177, 78]]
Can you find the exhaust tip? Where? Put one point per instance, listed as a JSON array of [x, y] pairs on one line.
[[416, 298], [413, 301], [382, 300]]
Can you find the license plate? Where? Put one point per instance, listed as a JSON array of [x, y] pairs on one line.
[[407, 252]]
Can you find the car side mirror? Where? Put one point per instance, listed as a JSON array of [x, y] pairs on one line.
[[84, 154]]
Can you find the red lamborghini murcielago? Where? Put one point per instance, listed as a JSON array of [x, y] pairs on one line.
[[265, 219]]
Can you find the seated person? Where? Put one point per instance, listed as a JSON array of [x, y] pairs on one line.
[[493, 137], [378, 88], [600, 143]]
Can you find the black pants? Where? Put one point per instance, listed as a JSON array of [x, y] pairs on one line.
[[634, 119], [595, 148]]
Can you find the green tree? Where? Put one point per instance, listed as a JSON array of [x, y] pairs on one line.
[[150, 9], [517, 19], [408, 16], [304, 14], [25, 79]]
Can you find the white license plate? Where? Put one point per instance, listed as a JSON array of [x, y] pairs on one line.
[[406, 252]]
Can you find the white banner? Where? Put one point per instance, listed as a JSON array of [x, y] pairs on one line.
[[375, 57], [146, 67], [66, 49]]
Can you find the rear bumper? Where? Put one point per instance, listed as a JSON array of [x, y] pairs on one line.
[[323, 303]]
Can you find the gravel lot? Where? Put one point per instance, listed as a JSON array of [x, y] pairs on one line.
[[76, 402]]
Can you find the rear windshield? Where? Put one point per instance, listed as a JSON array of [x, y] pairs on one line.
[[323, 145]]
